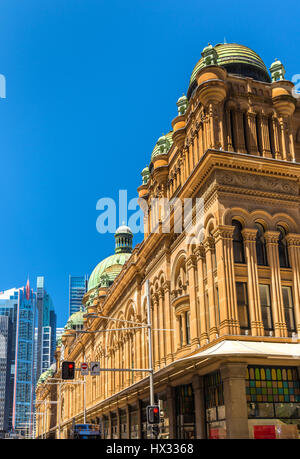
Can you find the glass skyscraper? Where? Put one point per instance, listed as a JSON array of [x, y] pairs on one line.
[[77, 288], [46, 329], [19, 306]]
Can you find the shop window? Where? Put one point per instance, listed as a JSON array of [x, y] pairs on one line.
[[273, 395]]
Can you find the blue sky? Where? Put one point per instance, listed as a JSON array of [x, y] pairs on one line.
[[91, 85]]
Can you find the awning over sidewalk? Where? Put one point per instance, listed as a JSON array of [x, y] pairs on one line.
[[250, 348]]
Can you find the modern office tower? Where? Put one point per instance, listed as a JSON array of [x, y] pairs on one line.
[[18, 305], [46, 329], [5, 358], [77, 288]]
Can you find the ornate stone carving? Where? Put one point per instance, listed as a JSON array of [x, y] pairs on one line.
[[258, 182]]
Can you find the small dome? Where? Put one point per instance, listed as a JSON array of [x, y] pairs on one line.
[[167, 140], [207, 48], [47, 374], [275, 63], [107, 270], [110, 267], [123, 229], [75, 320]]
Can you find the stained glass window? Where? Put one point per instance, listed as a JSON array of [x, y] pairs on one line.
[[272, 386]]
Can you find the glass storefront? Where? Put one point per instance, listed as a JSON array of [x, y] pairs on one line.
[[273, 400], [214, 406], [185, 412]]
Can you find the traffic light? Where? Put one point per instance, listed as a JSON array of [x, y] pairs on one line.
[[67, 370], [153, 414]]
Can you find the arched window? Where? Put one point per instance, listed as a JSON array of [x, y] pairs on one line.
[[238, 244], [261, 249], [282, 248]]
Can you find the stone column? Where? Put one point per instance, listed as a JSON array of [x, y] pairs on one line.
[[257, 328], [128, 425], [183, 325], [178, 334], [191, 272], [162, 334], [229, 322], [209, 247], [275, 128], [293, 241], [139, 404], [169, 323], [170, 392], [233, 376], [280, 328], [109, 425], [118, 424], [203, 332], [284, 138], [197, 382], [155, 324]]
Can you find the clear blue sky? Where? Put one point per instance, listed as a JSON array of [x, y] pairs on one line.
[[91, 85]]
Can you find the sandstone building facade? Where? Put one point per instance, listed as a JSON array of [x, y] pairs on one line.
[[227, 294]]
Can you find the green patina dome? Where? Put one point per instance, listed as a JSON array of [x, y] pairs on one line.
[[163, 145], [47, 374], [75, 320], [237, 59], [107, 270]]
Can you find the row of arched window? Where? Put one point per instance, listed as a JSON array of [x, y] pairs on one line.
[[261, 248]]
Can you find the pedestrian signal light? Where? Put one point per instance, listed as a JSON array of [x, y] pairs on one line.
[[68, 370]]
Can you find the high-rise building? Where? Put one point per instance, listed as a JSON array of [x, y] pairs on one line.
[[77, 288], [5, 358], [18, 305], [46, 329]]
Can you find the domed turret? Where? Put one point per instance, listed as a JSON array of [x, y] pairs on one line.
[[277, 70], [107, 270], [75, 321], [163, 145], [182, 104]]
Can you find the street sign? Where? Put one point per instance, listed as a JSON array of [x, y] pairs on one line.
[[95, 368], [84, 368]]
